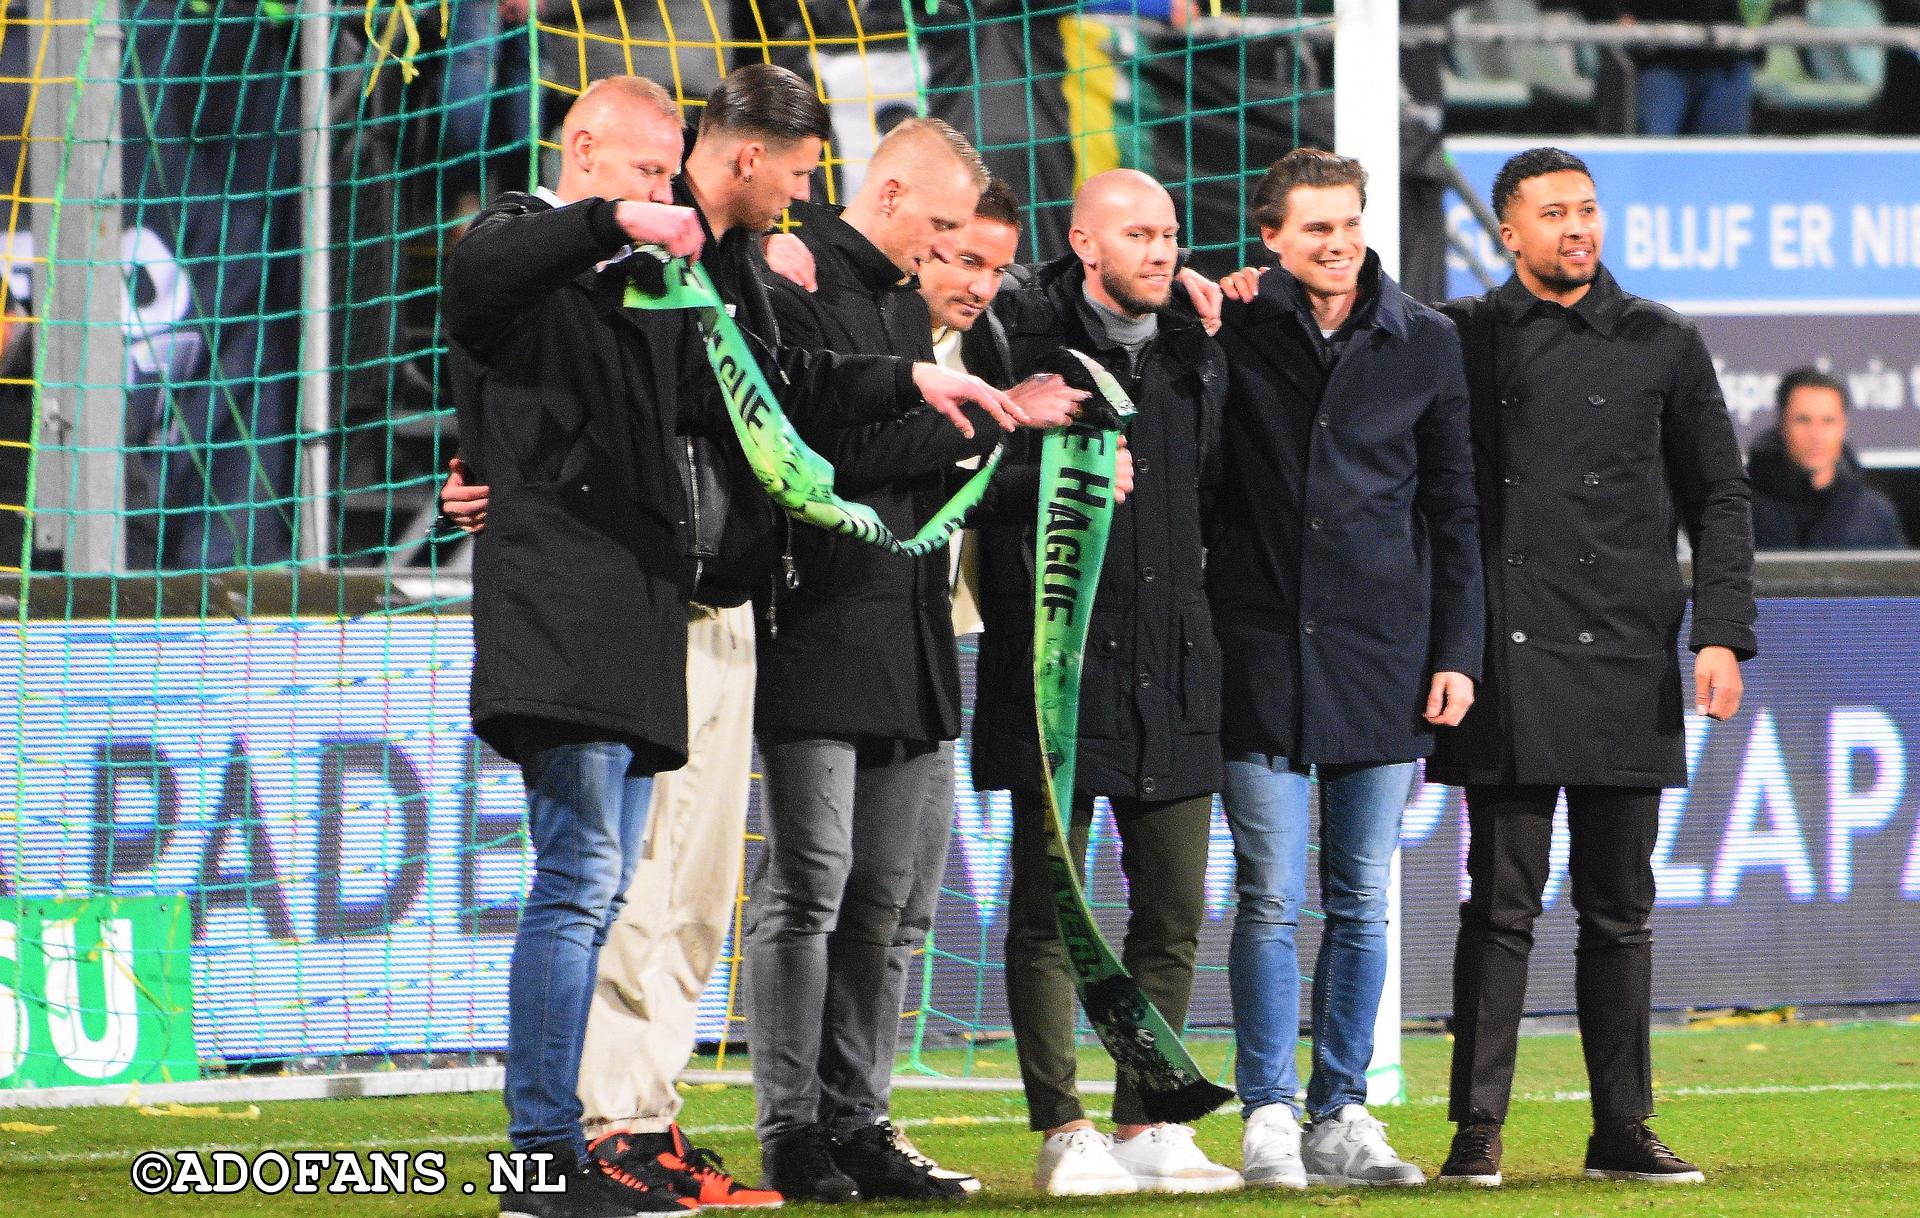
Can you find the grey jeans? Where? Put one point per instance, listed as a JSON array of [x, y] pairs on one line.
[[843, 828]]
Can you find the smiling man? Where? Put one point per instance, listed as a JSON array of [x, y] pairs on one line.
[[1599, 432], [1344, 572]]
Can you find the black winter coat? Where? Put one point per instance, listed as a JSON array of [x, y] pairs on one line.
[[863, 646], [1788, 514], [570, 407], [1150, 687], [1344, 569], [1598, 432]]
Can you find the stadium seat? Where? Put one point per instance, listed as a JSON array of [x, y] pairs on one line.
[[1541, 81], [1824, 86]]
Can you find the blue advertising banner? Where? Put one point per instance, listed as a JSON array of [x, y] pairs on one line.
[[1787, 252], [351, 859]]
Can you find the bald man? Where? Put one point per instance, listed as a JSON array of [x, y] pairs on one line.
[[1150, 688], [591, 431], [859, 689]]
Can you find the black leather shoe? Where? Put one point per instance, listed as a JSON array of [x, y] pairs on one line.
[[877, 1164], [801, 1166], [1628, 1150], [1475, 1156]]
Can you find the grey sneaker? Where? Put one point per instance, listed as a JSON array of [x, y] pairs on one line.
[[1349, 1147]]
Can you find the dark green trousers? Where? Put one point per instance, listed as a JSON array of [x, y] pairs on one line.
[[1163, 853]]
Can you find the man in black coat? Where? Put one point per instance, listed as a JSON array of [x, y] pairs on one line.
[[572, 407], [1598, 432], [1344, 573], [859, 685], [1808, 493], [1150, 688]]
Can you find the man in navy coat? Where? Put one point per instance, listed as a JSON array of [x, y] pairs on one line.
[[1344, 574]]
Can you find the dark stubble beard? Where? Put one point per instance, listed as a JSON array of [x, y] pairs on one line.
[[1552, 277], [1122, 293]]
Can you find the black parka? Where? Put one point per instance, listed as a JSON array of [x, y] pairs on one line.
[[862, 645], [1150, 687], [570, 407], [1344, 569], [1598, 432]]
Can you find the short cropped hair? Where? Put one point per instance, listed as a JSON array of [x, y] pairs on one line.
[[637, 89], [1533, 163], [997, 203], [920, 128], [764, 100], [1808, 378], [1303, 167]]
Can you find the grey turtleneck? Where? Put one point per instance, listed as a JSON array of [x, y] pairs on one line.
[[1132, 333]]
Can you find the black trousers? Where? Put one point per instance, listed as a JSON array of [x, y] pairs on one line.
[[1611, 868]]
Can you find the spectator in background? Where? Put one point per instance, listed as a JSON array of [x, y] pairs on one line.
[[1807, 490], [1694, 91]]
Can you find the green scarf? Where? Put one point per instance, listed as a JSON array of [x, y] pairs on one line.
[[1076, 511], [798, 479]]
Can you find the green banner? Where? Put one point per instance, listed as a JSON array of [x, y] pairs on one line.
[[96, 991], [1076, 511], [799, 480]]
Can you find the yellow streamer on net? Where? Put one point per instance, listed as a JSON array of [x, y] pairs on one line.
[[398, 21]]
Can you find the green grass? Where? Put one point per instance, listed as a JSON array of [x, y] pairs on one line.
[[1786, 1120]]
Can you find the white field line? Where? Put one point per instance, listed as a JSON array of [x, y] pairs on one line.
[[31, 1158]]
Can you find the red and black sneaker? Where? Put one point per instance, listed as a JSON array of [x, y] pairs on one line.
[[646, 1183], [716, 1187]]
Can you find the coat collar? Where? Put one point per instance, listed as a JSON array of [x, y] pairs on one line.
[[1382, 306], [823, 225], [1061, 280], [1600, 308]]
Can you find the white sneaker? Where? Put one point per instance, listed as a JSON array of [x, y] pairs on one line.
[[1349, 1147], [1165, 1160], [1080, 1163], [925, 1163], [1270, 1148]]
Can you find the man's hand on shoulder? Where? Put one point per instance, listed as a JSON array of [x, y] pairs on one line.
[[1244, 284], [1205, 296], [462, 502], [788, 257], [675, 229]]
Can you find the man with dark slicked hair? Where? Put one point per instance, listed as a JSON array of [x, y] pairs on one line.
[[1599, 433]]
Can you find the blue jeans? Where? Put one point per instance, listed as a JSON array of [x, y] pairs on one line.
[[1696, 101], [1360, 809], [587, 816]]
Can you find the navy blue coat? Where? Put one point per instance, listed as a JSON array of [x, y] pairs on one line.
[[1344, 566], [1788, 514]]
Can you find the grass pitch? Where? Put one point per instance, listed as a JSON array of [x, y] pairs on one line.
[[1786, 1121]]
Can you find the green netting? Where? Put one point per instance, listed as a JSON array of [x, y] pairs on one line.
[[241, 790]]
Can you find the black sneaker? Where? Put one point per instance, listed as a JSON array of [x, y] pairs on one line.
[[586, 1193], [800, 1167], [1475, 1157], [633, 1168], [1628, 1150], [882, 1170]]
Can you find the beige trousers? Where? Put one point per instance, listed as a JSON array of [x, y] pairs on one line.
[[661, 951]]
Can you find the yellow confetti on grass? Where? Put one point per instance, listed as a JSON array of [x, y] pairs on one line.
[[26, 1127], [206, 1111]]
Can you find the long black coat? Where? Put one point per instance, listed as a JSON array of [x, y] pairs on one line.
[[1150, 686], [1598, 432], [569, 406], [1344, 569], [863, 645]]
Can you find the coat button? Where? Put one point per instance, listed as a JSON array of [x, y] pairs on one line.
[[1111, 646], [1594, 399], [1187, 646], [1147, 786], [1516, 559], [1307, 626], [1146, 575], [1518, 636], [1511, 479], [1141, 465], [1586, 560], [1316, 524], [1586, 636], [1590, 478], [1325, 420], [1146, 680], [1510, 401]]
